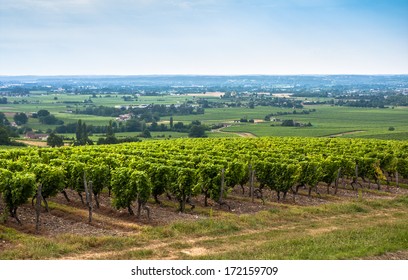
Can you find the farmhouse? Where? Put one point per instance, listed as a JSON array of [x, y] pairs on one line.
[[124, 117], [38, 136]]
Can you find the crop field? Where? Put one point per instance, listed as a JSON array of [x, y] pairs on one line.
[[337, 122], [60, 102], [326, 121]]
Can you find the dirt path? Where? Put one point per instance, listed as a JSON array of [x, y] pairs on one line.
[[33, 143], [245, 134], [201, 246], [161, 245], [240, 134], [135, 240], [346, 133]]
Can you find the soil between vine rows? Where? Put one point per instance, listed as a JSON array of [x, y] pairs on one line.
[[72, 217]]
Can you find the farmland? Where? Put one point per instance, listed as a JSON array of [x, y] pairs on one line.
[[326, 120], [318, 106]]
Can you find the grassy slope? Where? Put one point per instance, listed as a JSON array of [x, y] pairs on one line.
[[344, 230]]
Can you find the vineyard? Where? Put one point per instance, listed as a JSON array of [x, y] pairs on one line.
[[160, 182]]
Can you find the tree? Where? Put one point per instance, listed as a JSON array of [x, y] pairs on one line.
[[108, 140], [288, 123], [171, 122], [110, 136], [154, 126], [3, 119], [20, 118], [50, 119], [197, 131], [4, 136], [81, 135], [179, 126], [46, 118], [133, 125], [43, 113], [145, 134], [109, 129], [54, 140]]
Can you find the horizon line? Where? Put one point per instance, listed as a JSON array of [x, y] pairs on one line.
[[213, 75]]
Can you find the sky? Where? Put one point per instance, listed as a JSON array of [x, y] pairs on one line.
[[207, 37]]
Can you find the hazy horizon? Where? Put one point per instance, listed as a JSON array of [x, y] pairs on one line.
[[203, 37], [197, 75]]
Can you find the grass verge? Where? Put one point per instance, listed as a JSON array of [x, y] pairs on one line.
[[345, 230]]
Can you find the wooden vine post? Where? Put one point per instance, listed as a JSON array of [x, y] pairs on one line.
[[222, 185], [251, 182], [355, 179], [88, 192], [38, 208], [336, 183]]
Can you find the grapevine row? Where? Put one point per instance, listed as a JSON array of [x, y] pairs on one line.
[[186, 168]]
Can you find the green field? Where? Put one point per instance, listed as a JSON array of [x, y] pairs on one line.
[[331, 121], [327, 121], [40, 100], [220, 115]]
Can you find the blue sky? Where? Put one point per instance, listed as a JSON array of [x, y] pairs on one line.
[[137, 37]]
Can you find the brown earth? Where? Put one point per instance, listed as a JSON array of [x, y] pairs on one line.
[[72, 217], [346, 133], [33, 143]]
